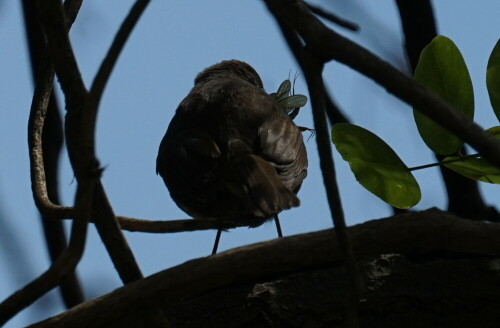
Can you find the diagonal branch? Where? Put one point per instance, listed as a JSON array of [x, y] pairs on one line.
[[464, 197], [51, 278], [332, 18], [327, 45], [107, 65], [313, 73], [296, 46]]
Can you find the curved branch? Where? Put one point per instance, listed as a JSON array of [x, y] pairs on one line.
[[80, 128], [60, 268], [107, 65], [51, 133]]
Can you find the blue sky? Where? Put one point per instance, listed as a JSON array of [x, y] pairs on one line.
[[171, 44]]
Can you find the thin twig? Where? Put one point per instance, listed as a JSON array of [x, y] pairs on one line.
[[333, 112], [121, 37], [459, 159], [115, 241], [312, 68], [51, 278], [313, 74], [332, 18]]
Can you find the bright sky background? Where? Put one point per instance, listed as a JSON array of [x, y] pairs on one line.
[[173, 41]]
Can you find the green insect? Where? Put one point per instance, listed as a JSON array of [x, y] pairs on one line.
[[288, 100]]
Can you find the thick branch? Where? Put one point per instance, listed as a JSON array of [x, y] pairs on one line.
[[415, 232], [327, 44]]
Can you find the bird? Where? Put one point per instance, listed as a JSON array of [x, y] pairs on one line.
[[230, 151]]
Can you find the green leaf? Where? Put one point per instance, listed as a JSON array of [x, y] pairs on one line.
[[493, 79], [442, 69], [476, 168], [376, 166], [494, 131], [291, 102]]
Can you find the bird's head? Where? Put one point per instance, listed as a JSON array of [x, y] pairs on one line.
[[229, 68]]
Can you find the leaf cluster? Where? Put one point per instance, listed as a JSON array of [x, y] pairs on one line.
[[377, 167]]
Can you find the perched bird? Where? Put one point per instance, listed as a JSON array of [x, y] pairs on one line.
[[230, 151]]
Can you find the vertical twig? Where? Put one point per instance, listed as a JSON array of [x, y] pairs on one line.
[[312, 67], [313, 74]]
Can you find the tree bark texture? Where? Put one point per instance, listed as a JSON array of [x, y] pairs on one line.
[[420, 269]]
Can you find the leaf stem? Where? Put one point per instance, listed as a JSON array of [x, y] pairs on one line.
[[462, 158]]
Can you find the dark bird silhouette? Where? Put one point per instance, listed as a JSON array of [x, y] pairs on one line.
[[230, 151]]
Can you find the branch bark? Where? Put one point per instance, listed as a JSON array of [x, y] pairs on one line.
[[416, 233], [51, 142]]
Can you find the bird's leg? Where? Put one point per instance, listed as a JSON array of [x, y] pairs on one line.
[[216, 243], [278, 226]]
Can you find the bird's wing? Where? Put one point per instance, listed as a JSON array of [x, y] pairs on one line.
[[282, 144]]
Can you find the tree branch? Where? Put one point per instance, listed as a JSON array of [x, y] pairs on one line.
[[296, 46], [419, 27], [107, 65], [80, 128], [80, 134], [48, 136], [415, 232], [313, 73], [60, 268], [332, 18]]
